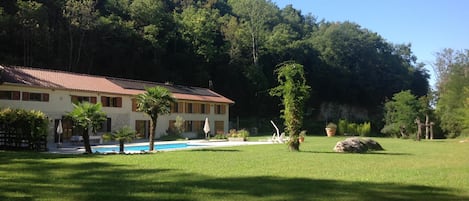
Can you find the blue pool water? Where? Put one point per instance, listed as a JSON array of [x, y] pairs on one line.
[[129, 148]]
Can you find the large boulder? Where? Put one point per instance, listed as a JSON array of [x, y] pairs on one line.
[[357, 145], [372, 145]]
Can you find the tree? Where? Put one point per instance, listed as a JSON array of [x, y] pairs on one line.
[[254, 16], [33, 18], [294, 92], [154, 102], [401, 113], [87, 115], [124, 134], [451, 106], [199, 27], [82, 16]]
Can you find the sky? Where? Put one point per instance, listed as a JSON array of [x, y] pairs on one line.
[[428, 25]]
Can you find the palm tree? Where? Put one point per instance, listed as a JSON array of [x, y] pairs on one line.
[[87, 115], [155, 101], [124, 134]]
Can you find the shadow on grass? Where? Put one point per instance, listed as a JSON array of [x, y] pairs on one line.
[[370, 152], [214, 150], [89, 180]]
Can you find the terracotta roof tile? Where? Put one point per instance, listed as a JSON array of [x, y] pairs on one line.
[[83, 82]]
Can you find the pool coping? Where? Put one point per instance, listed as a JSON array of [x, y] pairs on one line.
[[200, 144]]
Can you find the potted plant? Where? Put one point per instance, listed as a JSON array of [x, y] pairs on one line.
[[331, 128], [301, 137]]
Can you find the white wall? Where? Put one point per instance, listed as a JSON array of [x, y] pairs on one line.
[[60, 104]]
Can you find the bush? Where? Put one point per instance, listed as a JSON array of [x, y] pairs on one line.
[[243, 133], [25, 129], [346, 127]]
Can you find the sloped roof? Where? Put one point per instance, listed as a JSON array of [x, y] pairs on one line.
[[45, 78]]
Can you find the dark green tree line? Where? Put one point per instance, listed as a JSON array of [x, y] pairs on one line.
[[235, 44]]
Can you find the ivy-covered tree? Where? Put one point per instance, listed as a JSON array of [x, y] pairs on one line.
[[294, 92]]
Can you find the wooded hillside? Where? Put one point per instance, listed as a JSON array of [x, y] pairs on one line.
[[235, 44]]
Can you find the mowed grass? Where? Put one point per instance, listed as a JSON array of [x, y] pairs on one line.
[[406, 170]]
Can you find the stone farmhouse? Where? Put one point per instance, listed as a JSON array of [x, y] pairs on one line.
[[53, 93]]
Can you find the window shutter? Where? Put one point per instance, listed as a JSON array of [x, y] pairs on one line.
[[108, 125], [207, 108], [134, 105], [223, 109], [103, 101], [118, 101], [45, 97], [180, 107], [26, 96], [93, 99], [15, 95]]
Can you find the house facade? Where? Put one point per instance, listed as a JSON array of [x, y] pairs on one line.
[[53, 93]]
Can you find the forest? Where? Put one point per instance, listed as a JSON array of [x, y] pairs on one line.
[[235, 45]]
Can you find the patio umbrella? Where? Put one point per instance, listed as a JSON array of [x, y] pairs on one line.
[[60, 129], [206, 127]]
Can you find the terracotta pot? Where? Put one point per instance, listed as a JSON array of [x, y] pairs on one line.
[[301, 139], [331, 131]]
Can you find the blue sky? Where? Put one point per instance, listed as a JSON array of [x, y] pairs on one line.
[[429, 25]]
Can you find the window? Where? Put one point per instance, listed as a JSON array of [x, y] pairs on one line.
[[43, 97], [105, 126], [193, 126], [142, 127], [81, 99], [10, 95], [220, 109], [174, 107], [192, 108], [111, 101], [219, 127], [189, 108], [203, 108]]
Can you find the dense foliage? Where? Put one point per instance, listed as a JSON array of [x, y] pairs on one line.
[[293, 92], [401, 113], [22, 129], [234, 43], [453, 98]]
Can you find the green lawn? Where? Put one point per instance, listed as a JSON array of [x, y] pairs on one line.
[[406, 170]]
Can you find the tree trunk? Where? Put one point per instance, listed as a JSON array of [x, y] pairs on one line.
[[70, 50], [80, 44], [427, 125], [121, 146], [294, 144], [152, 134], [86, 141], [419, 128]]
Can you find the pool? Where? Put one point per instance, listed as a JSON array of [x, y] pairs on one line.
[[130, 148]]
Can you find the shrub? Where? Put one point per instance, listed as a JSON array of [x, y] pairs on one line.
[[342, 127], [243, 133], [220, 136], [363, 129], [26, 129]]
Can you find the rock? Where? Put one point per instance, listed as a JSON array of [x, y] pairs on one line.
[[372, 145], [357, 145]]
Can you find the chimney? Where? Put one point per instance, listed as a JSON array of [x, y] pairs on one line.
[[210, 85]]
